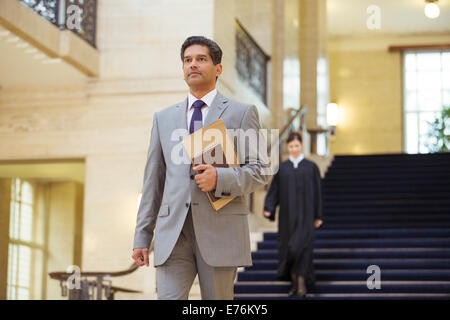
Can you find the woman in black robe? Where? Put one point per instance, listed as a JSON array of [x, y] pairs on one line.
[[296, 188]]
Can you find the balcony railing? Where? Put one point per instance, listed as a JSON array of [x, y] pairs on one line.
[[251, 62], [79, 16]]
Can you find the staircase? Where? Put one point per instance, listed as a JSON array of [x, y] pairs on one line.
[[392, 211]]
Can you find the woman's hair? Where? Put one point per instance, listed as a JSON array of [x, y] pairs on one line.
[[294, 136]]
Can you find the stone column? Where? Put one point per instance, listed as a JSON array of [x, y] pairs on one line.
[[313, 63], [277, 61]]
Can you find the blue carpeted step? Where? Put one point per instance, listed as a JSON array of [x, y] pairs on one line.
[[346, 296], [389, 210], [346, 287], [391, 203], [391, 158], [396, 224], [339, 190], [371, 233], [342, 264], [420, 176], [370, 243], [374, 185], [386, 217], [395, 220], [381, 178], [356, 275], [329, 198], [364, 211], [369, 170], [364, 253]]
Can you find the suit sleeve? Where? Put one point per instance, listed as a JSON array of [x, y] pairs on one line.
[[152, 192], [272, 197], [251, 175], [317, 194]]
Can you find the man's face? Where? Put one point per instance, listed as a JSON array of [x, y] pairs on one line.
[[198, 67]]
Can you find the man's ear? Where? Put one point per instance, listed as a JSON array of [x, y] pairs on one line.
[[218, 69]]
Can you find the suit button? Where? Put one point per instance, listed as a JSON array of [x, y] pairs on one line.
[[187, 205], [192, 177]]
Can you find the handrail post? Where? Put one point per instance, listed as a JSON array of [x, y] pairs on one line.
[[99, 287]]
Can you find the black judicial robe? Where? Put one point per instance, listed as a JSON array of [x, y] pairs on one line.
[[298, 193]]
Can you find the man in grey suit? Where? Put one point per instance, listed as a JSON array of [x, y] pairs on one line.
[[191, 237]]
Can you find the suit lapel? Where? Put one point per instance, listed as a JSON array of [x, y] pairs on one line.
[[218, 106], [181, 116]]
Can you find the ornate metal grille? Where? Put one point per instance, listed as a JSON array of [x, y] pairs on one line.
[[48, 9], [79, 16], [88, 12], [251, 62]]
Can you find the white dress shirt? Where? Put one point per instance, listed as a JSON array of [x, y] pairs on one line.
[[207, 99], [296, 161]]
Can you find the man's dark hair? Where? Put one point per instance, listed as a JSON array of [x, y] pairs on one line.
[[214, 50], [294, 136]]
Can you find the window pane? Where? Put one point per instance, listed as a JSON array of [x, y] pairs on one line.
[[11, 257], [411, 101], [13, 293], [12, 215], [321, 145], [23, 294], [410, 61], [13, 190], [429, 61], [411, 80], [17, 188], [446, 98], [412, 133], [27, 192], [429, 100], [24, 266], [429, 80], [291, 83], [21, 228], [446, 79], [16, 221], [26, 221], [322, 121], [446, 61]]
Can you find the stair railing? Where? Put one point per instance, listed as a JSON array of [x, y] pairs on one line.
[[91, 285], [299, 114]]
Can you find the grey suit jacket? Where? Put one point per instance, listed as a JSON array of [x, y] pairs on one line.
[[169, 189]]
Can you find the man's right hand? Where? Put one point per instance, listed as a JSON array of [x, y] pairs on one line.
[[140, 256]]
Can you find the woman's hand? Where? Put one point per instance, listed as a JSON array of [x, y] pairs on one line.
[[318, 223], [267, 214]]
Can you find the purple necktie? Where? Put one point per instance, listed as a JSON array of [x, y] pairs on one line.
[[196, 120]]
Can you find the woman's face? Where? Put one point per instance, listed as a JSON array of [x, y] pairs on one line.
[[295, 148]]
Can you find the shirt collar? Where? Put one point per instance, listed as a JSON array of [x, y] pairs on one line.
[[296, 161], [207, 98]]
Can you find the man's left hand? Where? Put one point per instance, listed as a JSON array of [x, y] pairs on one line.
[[206, 180]]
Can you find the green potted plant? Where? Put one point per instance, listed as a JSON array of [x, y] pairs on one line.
[[439, 132]]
